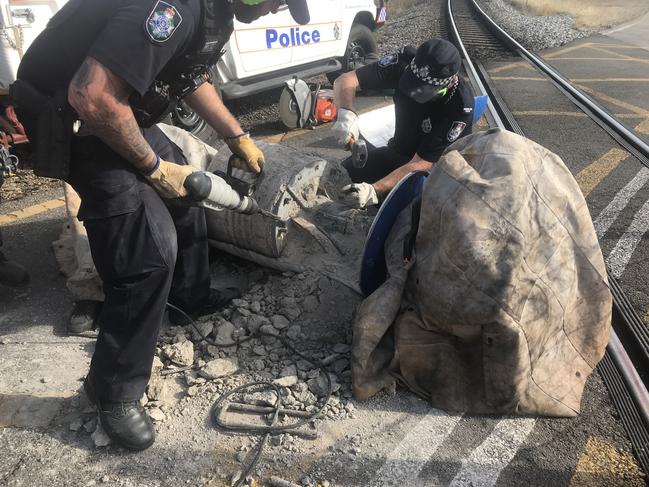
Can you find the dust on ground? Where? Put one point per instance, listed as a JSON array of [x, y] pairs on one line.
[[588, 14]]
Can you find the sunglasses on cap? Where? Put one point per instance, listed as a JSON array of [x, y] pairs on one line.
[[425, 93], [257, 2]]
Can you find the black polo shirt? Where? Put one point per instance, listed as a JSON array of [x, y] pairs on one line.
[[425, 129], [138, 40]]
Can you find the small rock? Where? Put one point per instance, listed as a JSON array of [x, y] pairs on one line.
[[224, 333], [279, 322], [294, 332], [99, 437], [243, 312], [259, 350], [318, 386], [341, 348], [180, 353], [269, 330], [256, 321], [157, 389], [45, 380], [193, 391], [310, 304], [76, 424], [205, 327], [105, 479], [90, 425], [258, 364], [157, 415], [286, 381], [241, 456], [219, 368], [289, 370], [157, 364], [255, 307], [240, 303]]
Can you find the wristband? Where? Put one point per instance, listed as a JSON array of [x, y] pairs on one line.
[[155, 166], [242, 134]]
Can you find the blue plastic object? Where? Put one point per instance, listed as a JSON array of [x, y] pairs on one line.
[[479, 106], [373, 267]]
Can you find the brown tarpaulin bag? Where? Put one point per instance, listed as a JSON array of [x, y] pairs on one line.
[[506, 307]]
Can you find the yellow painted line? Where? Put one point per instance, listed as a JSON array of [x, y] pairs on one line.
[[546, 113], [505, 67], [643, 128], [616, 80], [622, 56], [550, 113], [632, 59], [566, 50], [593, 174], [603, 465], [518, 78], [627, 106], [31, 211], [575, 80]]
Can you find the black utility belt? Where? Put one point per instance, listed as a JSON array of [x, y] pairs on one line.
[[49, 123]]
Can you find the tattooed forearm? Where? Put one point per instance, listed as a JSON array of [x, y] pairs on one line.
[[124, 137], [101, 100]]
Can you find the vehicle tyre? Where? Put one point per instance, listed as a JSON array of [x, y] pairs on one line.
[[361, 49], [186, 118]]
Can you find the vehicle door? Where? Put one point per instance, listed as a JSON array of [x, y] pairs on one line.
[[322, 37], [260, 47]]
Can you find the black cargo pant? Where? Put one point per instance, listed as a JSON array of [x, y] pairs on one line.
[[381, 161], [145, 251]]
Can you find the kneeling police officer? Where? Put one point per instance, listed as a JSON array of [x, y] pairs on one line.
[[112, 69], [433, 107]]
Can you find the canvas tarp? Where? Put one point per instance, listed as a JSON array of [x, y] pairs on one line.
[[505, 306]]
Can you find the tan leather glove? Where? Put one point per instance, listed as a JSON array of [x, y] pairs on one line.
[[168, 179], [249, 157]]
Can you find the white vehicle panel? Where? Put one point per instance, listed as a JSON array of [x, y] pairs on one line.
[[327, 21], [251, 41]]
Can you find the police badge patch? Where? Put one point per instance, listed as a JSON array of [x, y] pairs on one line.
[[163, 21], [456, 130], [389, 60], [426, 126]]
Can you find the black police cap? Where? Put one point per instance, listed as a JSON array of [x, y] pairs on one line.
[[435, 63]]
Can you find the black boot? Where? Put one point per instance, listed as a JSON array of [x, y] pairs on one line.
[[125, 423], [217, 299], [83, 316], [12, 274]]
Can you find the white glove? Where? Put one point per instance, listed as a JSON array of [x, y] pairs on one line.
[[346, 127], [359, 195]]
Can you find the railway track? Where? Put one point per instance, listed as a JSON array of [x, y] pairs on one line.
[[625, 367]]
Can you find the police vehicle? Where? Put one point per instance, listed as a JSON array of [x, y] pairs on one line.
[[258, 56]]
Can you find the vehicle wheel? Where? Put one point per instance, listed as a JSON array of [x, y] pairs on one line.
[[361, 49], [186, 118]]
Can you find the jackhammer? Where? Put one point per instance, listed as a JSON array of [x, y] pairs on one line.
[[219, 192]]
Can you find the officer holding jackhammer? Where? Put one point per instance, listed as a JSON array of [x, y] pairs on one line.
[[89, 91], [433, 107]]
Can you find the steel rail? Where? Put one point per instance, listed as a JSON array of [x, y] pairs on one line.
[[633, 143], [491, 113]]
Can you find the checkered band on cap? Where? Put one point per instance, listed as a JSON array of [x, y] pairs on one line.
[[423, 73]]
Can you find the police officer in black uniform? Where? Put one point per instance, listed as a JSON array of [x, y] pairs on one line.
[[433, 107], [121, 65]]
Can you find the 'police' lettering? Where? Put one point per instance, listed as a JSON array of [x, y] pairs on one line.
[[293, 38]]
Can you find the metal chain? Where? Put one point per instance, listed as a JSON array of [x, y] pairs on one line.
[[12, 43]]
